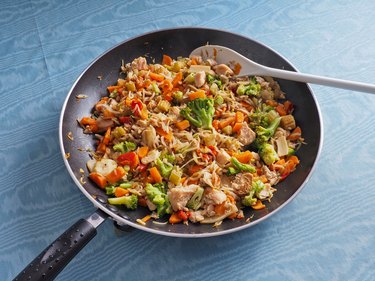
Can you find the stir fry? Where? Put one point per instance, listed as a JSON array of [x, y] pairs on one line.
[[190, 142]]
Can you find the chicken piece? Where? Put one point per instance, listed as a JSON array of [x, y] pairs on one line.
[[139, 64], [242, 184], [149, 137], [196, 216], [222, 157], [229, 210], [214, 196], [246, 134], [223, 69], [151, 156], [200, 79], [270, 175], [180, 195]]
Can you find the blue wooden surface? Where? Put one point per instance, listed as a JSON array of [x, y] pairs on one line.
[[326, 233]]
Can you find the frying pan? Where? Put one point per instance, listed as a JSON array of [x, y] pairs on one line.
[[104, 71]]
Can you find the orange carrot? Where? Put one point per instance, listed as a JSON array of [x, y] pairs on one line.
[[288, 105], [244, 157], [112, 88], [166, 86], [115, 175], [107, 136], [281, 110], [182, 125], [197, 94], [294, 159], [195, 168], [193, 61], [177, 79], [167, 135], [119, 192], [155, 175], [88, 121], [271, 103], [174, 218], [240, 117], [156, 77], [226, 122], [237, 127], [101, 148], [220, 209], [142, 151], [296, 134], [237, 68], [166, 60], [258, 205], [215, 124], [99, 179]]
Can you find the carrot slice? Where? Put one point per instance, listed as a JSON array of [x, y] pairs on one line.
[[296, 134], [197, 94], [167, 60], [99, 179], [174, 218], [156, 77], [237, 127], [182, 125], [119, 192], [240, 117], [142, 151], [281, 110], [115, 175], [177, 79], [155, 174], [167, 135], [226, 122], [244, 157], [258, 205]]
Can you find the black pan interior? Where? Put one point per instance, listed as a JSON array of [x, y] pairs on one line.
[[180, 42]]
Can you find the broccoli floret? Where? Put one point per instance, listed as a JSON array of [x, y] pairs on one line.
[[130, 202], [157, 195], [232, 171], [110, 190], [195, 201], [212, 79], [264, 134], [242, 167], [251, 198], [165, 168], [124, 146], [268, 153], [251, 89], [199, 112]]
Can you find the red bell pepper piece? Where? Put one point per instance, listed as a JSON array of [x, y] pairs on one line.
[[128, 158]]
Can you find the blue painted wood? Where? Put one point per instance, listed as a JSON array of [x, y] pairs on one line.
[[326, 233]]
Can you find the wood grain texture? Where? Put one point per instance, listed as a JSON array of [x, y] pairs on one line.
[[326, 233]]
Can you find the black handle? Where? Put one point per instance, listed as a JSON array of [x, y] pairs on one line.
[[56, 256]]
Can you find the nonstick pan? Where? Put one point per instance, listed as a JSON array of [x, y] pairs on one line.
[[92, 84]]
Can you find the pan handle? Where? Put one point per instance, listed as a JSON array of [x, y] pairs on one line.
[[56, 256]]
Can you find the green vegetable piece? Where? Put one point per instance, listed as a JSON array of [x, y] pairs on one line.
[[212, 79], [251, 89], [251, 198], [165, 168], [130, 202], [219, 100], [264, 134], [110, 190], [157, 196], [126, 185], [242, 167], [178, 96], [199, 112], [268, 153], [175, 176], [195, 201], [124, 146], [232, 171]]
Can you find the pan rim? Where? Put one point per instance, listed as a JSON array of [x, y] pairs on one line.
[[175, 234]]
